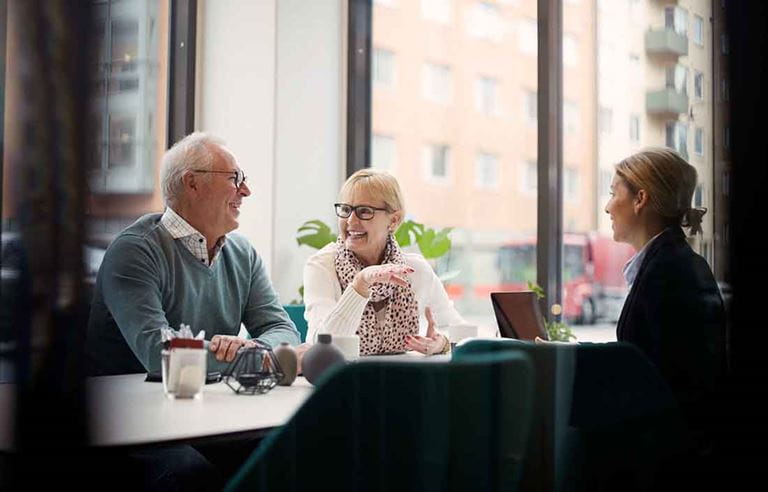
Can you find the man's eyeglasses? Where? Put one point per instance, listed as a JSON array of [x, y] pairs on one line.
[[363, 212], [238, 176]]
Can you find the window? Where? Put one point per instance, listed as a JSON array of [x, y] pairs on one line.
[[605, 120], [485, 22], [124, 107], [698, 141], [698, 85], [634, 128], [677, 78], [527, 36], [727, 137], [570, 117], [383, 69], [530, 109], [436, 162], [698, 28], [529, 181], [437, 10], [571, 184], [724, 93], [437, 85], [383, 152], [677, 137], [486, 95], [570, 51], [486, 171], [677, 19], [698, 196], [724, 43]]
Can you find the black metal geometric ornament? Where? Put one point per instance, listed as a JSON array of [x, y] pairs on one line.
[[255, 370]]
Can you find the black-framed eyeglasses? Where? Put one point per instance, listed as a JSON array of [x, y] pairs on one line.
[[363, 212], [238, 176]]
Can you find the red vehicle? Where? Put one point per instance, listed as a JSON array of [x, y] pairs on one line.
[[594, 287]]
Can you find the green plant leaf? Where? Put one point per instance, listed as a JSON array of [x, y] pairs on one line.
[[315, 234], [533, 286], [408, 233], [434, 244]]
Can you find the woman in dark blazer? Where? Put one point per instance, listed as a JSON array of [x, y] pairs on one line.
[[674, 312]]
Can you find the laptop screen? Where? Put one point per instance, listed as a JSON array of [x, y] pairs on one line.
[[518, 315]]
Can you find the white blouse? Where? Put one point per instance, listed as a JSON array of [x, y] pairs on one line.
[[328, 310]]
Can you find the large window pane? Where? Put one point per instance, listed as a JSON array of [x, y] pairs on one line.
[[637, 75], [462, 118]]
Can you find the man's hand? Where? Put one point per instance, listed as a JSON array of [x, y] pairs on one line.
[[226, 346]]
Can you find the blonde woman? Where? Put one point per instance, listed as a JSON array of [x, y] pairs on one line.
[[365, 284], [674, 312]]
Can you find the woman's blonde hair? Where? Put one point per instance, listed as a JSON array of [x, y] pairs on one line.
[[669, 181], [380, 184]]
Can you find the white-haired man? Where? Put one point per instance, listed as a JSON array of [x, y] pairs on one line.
[[184, 266]]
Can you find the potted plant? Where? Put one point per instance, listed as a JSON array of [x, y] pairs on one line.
[[316, 234], [557, 331]]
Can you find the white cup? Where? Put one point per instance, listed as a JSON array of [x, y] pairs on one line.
[[457, 333], [348, 344]]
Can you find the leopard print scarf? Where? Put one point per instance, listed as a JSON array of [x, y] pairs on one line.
[[402, 311]]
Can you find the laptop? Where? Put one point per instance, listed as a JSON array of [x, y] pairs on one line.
[[518, 315]]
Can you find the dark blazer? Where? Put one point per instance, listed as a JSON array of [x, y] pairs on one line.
[[674, 313]]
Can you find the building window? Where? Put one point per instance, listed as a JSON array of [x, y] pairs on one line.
[[677, 19], [571, 184], [437, 84], [437, 10], [605, 120], [485, 22], [698, 196], [677, 137], [383, 68], [698, 141], [724, 43], [724, 93], [677, 79], [570, 51], [634, 128], [531, 105], [570, 117], [527, 36], [486, 95], [727, 137], [698, 85], [437, 162], [698, 30], [383, 152], [486, 171], [127, 48], [529, 182]]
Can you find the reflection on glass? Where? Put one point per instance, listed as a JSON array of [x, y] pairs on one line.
[[462, 120]]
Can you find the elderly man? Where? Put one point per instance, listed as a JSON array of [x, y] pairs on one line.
[[185, 266]]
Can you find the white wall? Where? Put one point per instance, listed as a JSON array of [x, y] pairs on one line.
[[270, 75], [308, 140]]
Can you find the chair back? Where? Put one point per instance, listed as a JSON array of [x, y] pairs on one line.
[[381, 425]]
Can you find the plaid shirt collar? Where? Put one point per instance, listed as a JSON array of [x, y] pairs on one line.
[[190, 237]]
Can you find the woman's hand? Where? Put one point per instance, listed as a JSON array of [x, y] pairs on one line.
[[384, 274], [433, 343]]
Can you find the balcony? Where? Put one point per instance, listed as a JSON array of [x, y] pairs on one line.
[[666, 101], [666, 41]]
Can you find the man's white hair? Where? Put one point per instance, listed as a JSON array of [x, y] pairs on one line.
[[195, 152]]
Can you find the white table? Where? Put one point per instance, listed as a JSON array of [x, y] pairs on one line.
[[125, 410]]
